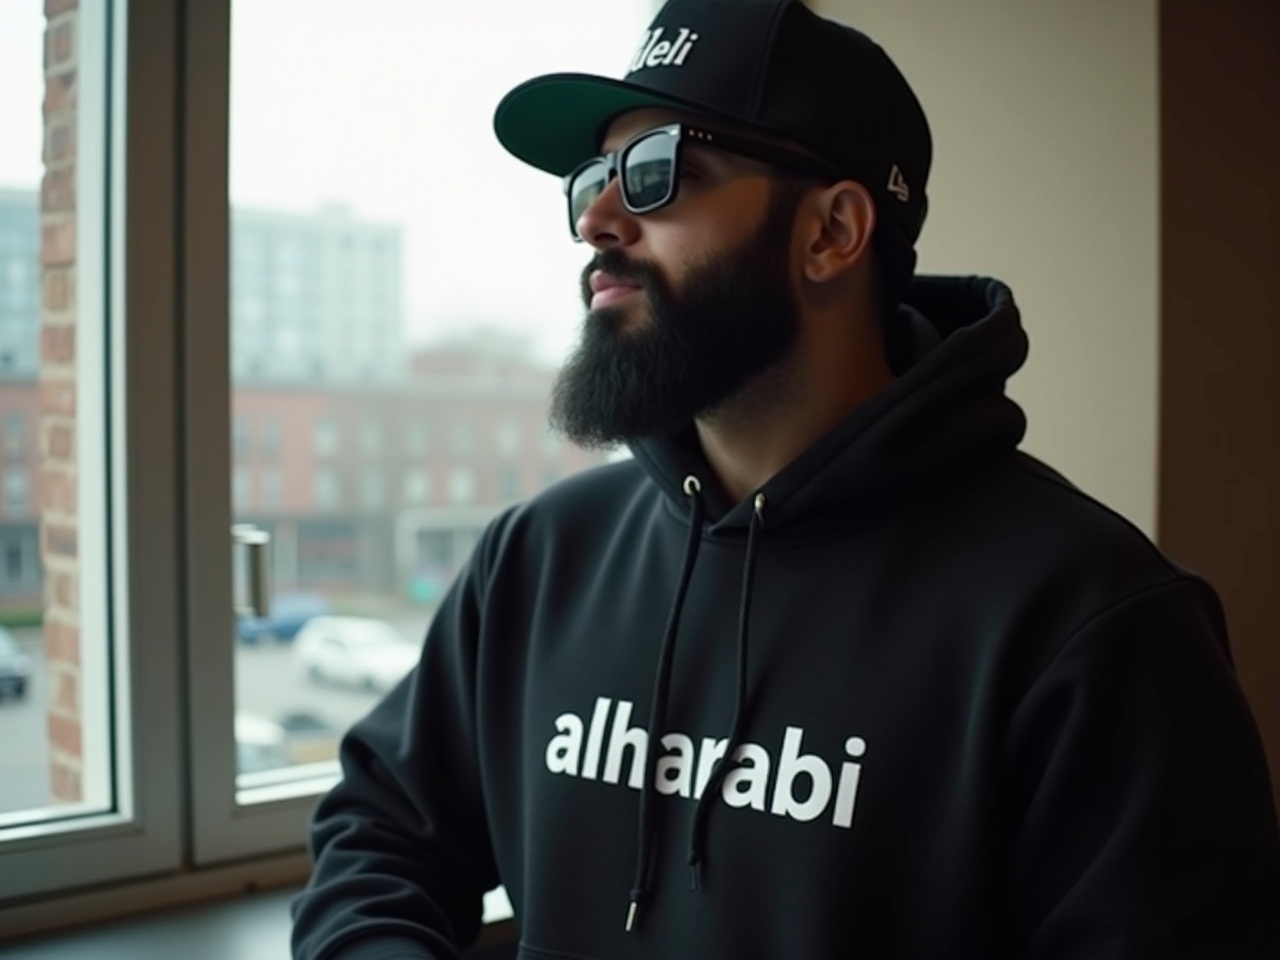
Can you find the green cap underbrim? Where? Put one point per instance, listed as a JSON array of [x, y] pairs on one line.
[[556, 122]]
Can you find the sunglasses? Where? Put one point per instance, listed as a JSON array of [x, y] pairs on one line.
[[648, 167]]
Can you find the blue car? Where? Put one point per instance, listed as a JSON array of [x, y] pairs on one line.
[[286, 617]]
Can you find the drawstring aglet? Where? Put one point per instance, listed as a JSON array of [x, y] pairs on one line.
[[693, 876], [631, 914]]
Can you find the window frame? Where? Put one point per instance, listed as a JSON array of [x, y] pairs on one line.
[[124, 251], [227, 823]]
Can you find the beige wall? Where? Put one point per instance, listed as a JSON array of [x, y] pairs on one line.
[[1044, 117]]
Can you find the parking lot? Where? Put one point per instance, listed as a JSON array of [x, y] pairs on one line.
[[24, 738], [269, 685]]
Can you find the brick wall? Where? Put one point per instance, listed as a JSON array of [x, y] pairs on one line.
[[57, 470]]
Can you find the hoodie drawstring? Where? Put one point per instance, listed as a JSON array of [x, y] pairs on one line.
[[657, 714], [697, 838], [639, 889]]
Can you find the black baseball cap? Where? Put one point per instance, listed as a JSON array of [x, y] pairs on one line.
[[769, 66]]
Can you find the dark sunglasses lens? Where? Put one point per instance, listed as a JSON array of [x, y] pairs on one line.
[[586, 186], [648, 172]]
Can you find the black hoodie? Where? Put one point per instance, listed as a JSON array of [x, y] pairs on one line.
[[975, 713]]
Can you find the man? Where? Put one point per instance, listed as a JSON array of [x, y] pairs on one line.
[[828, 669]]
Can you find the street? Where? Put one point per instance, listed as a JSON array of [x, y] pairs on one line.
[[271, 685], [270, 688], [24, 737]]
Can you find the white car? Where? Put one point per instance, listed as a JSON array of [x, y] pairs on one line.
[[354, 651]]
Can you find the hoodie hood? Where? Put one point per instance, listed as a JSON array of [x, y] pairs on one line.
[[947, 408]]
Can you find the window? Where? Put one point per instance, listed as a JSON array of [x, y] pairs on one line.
[[272, 489], [328, 490], [90, 799], [508, 484], [462, 485], [13, 565], [241, 488], [463, 439], [326, 437], [272, 438], [154, 751], [508, 441], [417, 488], [240, 437], [383, 386], [415, 438], [15, 435], [372, 490]]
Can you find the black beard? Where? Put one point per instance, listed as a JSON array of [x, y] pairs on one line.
[[736, 318]]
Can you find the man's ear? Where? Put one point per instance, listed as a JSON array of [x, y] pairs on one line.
[[843, 220]]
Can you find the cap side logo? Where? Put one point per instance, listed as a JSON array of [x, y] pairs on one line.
[[898, 184], [656, 52]]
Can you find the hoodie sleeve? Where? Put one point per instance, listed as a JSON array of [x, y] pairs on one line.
[[401, 851], [1142, 809]]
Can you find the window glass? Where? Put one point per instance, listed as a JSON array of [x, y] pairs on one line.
[[402, 293], [55, 686]]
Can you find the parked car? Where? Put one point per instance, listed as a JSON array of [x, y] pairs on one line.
[[260, 744], [286, 616], [290, 740], [354, 651], [15, 667]]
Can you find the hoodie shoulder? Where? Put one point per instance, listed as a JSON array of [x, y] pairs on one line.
[[1070, 555]]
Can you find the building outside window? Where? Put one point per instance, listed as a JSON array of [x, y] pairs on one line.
[[463, 439], [16, 492], [15, 435], [372, 490], [508, 439], [462, 486], [241, 488], [326, 437], [415, 438], [272, 489], [371, 437], [272, 438], [327, 489], [417, 487], [240, 437]]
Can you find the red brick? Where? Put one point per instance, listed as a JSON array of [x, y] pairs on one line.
[[60, 441], [64, 734], [59, 92], [62, 642], [58, 396], [59, 46], [67, 696], [57, 289], [60, 540], [57, 344], [58, 190], [58, 242], [57, 491], [65, 782], [59, 142], [64, 591], [54, 8]]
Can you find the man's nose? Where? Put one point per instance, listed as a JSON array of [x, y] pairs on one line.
[[607, 222]]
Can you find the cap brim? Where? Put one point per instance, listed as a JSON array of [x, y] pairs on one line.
[[557, 121]]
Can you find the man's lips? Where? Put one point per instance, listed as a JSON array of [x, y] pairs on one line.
[[607, 289]]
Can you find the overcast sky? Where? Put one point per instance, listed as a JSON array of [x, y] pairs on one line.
[[387, 106]]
